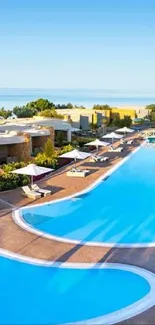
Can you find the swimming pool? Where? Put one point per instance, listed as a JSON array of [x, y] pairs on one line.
[[33, 294], [120, 210]]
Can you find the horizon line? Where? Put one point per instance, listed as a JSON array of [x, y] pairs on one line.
[[77, 88]]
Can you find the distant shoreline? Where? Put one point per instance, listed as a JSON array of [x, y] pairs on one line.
[[11, 97], [137, 107]]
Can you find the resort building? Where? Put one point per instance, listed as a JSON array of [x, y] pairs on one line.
[[82, 118], [20, 146], [21, 138]]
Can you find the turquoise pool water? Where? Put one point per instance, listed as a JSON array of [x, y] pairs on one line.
[[119, 210], [32, 294], [151, 140]]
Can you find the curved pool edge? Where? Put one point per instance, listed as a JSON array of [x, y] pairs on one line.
[[132, 310], [19, 220], [125, 313]]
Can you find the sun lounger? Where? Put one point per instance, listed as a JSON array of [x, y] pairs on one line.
[[75, 169], [99, 159], [118, 149], [30, 193], [129, 141], [94, 159], [80, 170], [126, 142], [74, 172], [43, 191], [105, 158]]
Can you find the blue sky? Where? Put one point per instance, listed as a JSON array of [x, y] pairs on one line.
[[77, 44]]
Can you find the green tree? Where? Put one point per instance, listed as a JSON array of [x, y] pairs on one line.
[[49, 148], [23, 112], [116, 121], [62, 106], [150, 107], [5, 113], [82, 107], [79, 107], [67, 148], [40, 105], [70, 106], [48, 157], [127, 121], [101, 107], [152, 116]]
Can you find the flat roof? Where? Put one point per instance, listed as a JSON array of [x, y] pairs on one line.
[[11, 139], [27, 124], [37, 132]]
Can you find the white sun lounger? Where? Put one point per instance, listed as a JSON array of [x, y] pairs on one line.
[[118, 149], [104, 158], [43, 191], [80, 170], [129, 141], [99, 159], [30, 193], [75, 172]]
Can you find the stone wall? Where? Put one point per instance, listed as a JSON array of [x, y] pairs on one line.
[[52, 135], [21, 150]]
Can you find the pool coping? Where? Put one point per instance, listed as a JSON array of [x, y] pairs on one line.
[[132, 310], [18, 219]]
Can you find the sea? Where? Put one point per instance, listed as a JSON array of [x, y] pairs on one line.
[[11, 97]]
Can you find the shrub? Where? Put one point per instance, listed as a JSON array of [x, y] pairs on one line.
[[47, 158], [151, 107], [81, 141], [67, 148], [50, 113], [40, 105], [11, 181], [23, 112], [5, 113], [101, 107], [9, 167], [126, 121], [42, 160], [49, 148]]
